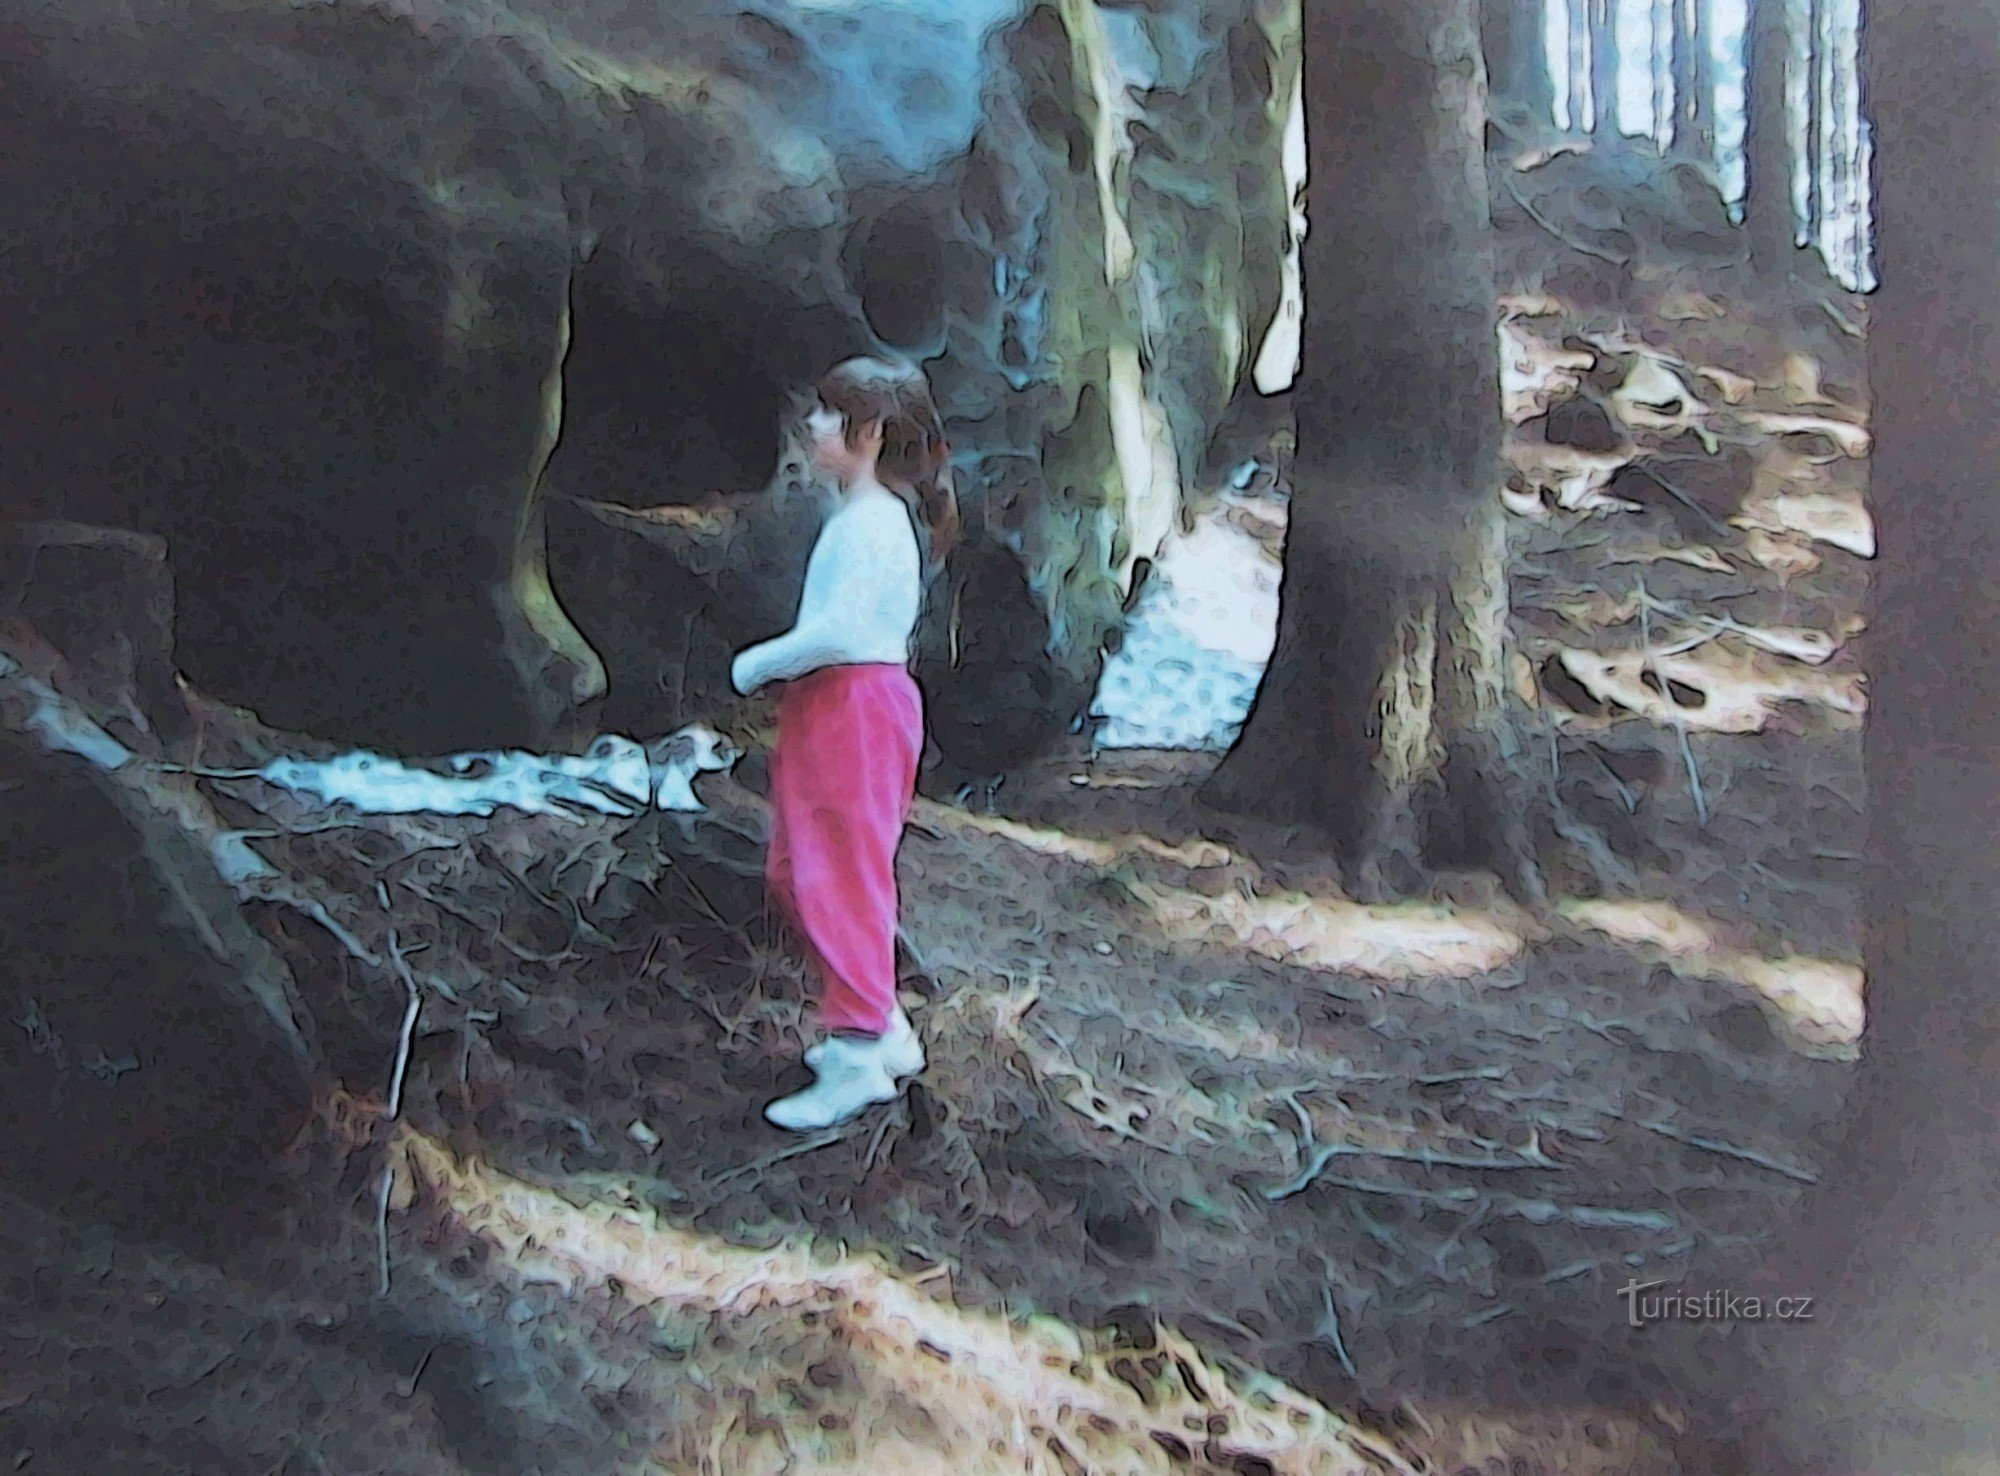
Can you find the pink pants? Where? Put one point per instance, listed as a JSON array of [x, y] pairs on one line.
[[843, 776]]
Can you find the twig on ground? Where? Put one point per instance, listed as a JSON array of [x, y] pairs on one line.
[[1305, 1132], [1694, 775], [1554, 230], [1570, 1272], [1329, 1328], [382, 1223], [395, 1106], [1680, 728], [1840, 320], [1476, 1073], [1327, 1152], [410, 1384], [491, 930], [409, 1027], [702, 901], [1451, 1241], [771, 1160], [917, 957], [1590, 1216], [875, 1144], [1610, 865], [1840, 794], [1227, 1324], [466, 1032], [1716, 526], [1535, 1211], [1625, 795], [707, 1007], [1717, 1146]]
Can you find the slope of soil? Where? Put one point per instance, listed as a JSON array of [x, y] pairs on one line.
[[1211, 1123]]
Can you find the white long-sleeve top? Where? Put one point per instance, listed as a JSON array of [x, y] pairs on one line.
[[863, 592]]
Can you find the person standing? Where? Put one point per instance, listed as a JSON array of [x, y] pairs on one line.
[[843, 770]]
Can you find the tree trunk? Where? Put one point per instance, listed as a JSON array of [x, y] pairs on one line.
[[1767, 148], [1517, 68], [1694, 83], [1898, 1372], [1659, 72], [1815, 20], [1387, 649], [1603, 70], [1578, 15]]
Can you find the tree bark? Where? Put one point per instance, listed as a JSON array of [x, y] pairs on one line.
[[1898, 1372], [1520, 90], [1659, 71], [1815, 142], [1767, 149], [1387, 657], [1603, 70]]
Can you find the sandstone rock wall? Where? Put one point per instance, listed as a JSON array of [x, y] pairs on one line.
[[307, 289]]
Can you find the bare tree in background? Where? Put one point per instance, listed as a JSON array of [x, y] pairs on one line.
[[1603, 68], [1579, 61], [1767, 148], [1521, 92], [1381, 719], [1694, 82]]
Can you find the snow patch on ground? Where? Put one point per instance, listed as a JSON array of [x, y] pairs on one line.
[[1198, 640], [614, 776]]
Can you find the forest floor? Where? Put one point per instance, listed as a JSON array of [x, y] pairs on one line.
[[1193, 1123]]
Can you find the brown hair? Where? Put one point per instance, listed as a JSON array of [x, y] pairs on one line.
[[915, 461]]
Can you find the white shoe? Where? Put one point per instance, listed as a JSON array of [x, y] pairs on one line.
[[902, 1052], [852, 1076]]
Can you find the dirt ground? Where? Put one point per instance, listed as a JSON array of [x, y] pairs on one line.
[[1187, 1108]]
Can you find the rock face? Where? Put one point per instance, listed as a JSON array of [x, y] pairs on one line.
[[354, 303], [134, 1086]]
